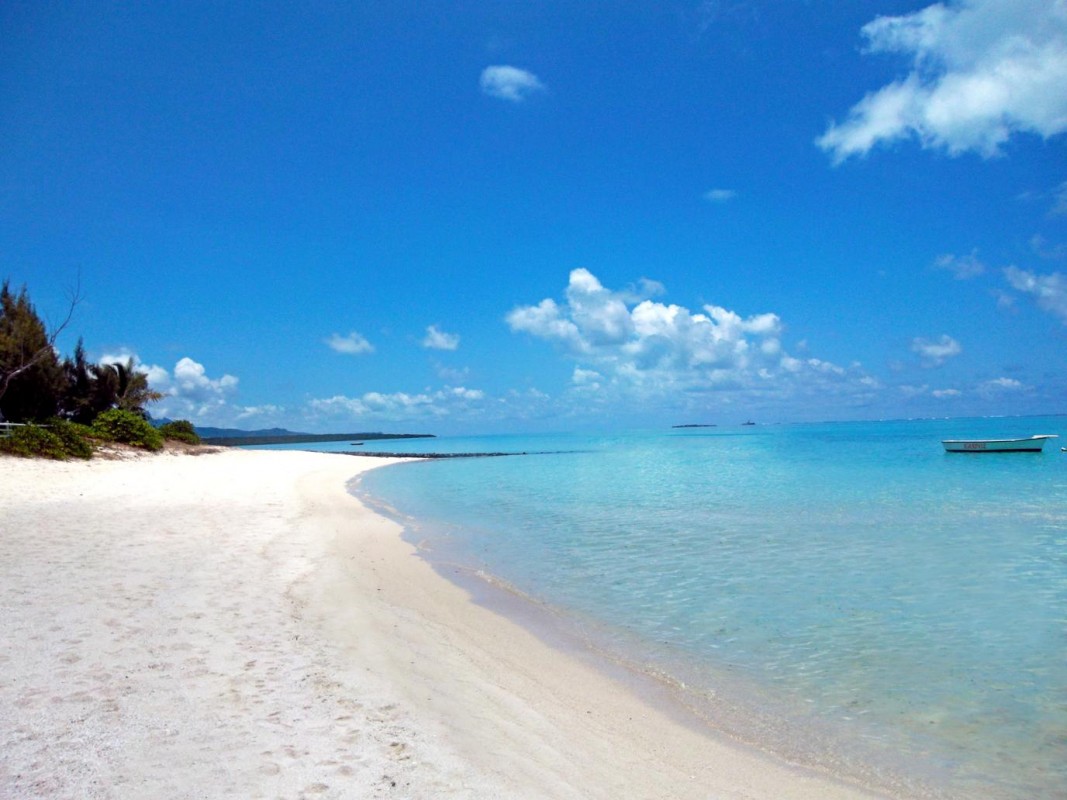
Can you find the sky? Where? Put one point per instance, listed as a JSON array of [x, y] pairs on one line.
[[489, 216]]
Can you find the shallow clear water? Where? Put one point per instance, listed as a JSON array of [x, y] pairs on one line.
[[851, 593]]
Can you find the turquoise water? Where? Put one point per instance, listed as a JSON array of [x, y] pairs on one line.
[[847, 594]]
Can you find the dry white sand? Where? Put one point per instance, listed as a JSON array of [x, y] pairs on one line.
[[237, 625]]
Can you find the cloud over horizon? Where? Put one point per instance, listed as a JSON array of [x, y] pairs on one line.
[[980, 72], [189, 392], [400, 406], [629, 345]]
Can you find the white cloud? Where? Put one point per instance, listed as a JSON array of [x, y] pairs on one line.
[[157, 376], [910, 391], [259, 412], [942, 394], [1001, 385], [935, 353], [452, 374], [353, 344], [439, 340], [1049, 252], [1049, 291], [190, 381], [720, 195], [1059, 208], [1005, 300], [189, 393], [981, 71], [648, 348], [586, 378], [546, 322], [400, 406], [962, 267], [509, 83]]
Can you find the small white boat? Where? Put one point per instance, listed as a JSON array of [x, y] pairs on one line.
[[1031, 444]]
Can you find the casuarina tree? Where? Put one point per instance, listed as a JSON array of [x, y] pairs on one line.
[[31, 377]]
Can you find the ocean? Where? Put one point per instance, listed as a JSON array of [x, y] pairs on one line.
[[846, 594]]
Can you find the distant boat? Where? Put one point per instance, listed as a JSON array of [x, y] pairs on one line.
[[1031, 444], [750, 422]]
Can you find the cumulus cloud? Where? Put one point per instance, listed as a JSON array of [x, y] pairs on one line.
[[962, 267], [190, 381], [935, 353], [720, 195], [353, 344], [943, 394], [439, 340], [189, 392], [400, 406], [650, 348], [158, 377], [509, 83], [1049, 291], [980, 71], [586, 379]]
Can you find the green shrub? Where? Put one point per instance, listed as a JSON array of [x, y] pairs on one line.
[[75, 437], [33, 441], [181, 430], [127, 427]]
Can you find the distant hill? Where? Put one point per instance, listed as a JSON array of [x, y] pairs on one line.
[[236, 433], [238, 437]]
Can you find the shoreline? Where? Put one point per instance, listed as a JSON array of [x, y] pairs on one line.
[[238, 624], [736, 710]]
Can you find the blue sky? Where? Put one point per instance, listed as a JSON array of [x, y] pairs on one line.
[[494, 216]]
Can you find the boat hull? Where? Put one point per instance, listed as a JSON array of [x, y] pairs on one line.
[[1031, 444]]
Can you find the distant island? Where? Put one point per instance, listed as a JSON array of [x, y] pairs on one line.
[[235, 437], [694, 425]]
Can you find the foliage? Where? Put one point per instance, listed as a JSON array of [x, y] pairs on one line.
[[31, 378], [30, 441], [133, 392], [93, 388], [128, 427], [82, 401], [35, 386], [180, 430], [75, 437], [85, 395]]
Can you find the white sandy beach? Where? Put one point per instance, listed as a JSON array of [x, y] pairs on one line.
[[236, 624]]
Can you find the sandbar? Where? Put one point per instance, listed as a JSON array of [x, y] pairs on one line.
[[237, 624]]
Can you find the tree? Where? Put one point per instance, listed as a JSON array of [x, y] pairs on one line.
[[133, 392], [94, 388], [31, 377], [90, 388]]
